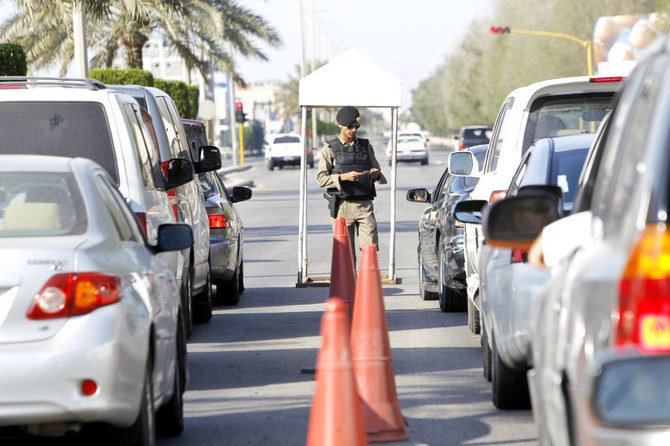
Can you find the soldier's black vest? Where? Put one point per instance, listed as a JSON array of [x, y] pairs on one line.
[[354, 158]]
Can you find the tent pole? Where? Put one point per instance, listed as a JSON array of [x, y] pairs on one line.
[[302, 258], [394, 156]]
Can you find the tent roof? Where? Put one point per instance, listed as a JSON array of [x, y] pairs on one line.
[[350, 79]]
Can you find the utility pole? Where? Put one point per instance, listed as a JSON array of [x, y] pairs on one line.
[[79, 36], [231, 117], [315, 134]]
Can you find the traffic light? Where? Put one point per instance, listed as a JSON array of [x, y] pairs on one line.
[[240, 116], [500, 30]]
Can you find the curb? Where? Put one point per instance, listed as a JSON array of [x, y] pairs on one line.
[[231, 169]]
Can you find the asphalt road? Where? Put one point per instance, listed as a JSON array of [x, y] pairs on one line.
[[246, 385]]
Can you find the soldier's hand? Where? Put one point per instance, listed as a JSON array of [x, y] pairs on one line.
[[350, 176], [374, 173]]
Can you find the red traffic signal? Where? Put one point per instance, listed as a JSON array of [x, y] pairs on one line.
[[239, 105], [500, 30]]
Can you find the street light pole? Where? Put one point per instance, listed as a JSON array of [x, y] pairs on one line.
[[79, 37]]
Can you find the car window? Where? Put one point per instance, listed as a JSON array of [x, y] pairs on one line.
[[140, 146], [563, 115], [564, 172], [286, 139], [496, 139], [518, 175], [406, 139], [128, 215], [173, 136], [122, 226], [69, 129], [39, 204], [622, 162]]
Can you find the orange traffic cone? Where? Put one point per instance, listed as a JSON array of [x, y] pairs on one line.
[[342, 271], [371, 355], [336, 418]]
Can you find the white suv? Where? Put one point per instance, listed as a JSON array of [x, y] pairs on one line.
[[549, 108], [82, 118]]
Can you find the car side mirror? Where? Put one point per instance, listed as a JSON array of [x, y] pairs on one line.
[[173, 237], [209, 159], [470, 211], [463, 164], [418, 195], [179, 171], [516, 221], [241, 193]]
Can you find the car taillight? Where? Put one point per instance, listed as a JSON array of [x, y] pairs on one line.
[[519, 256], [141, 218], [461, 146], [458, 224], [644, 294], [497, 195], [216, 218], [309, 152], [172, 193], [67, 295]]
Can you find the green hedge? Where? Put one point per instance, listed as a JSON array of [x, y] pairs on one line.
[[130, 76], [12, 60], [184, 96]]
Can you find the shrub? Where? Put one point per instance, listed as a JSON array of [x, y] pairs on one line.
[[129, 76], [12, 60]]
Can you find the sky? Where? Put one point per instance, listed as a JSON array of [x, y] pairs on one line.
[[409, 39]]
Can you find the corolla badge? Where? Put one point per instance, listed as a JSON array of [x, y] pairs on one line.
[[56, 265]]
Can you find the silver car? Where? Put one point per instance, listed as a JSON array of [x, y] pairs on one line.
[[601, 329], [89, 328]]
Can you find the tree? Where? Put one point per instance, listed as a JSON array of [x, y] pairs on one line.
[[198, 30]]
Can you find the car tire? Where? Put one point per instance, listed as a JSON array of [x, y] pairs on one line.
[[202, 305], [473, 317], [450, 299], [424, 162], [240, 282], [509, 387], [423, 293], [187, 303], [486, 355], [143, 431], [170, 417], [228, 291], [390, 162], [270, 165]]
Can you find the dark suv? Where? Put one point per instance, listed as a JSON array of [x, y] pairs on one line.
[[473, 135]]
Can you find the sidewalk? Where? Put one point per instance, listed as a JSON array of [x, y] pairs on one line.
[[229, 182]]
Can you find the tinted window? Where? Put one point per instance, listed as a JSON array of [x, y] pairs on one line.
[[140, 145], [72, 129], [286, 139], [565, 115], [565, 170], [171, 129], [35, 204]]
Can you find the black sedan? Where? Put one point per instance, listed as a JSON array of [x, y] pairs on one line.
[[226, 253], [440, 251]]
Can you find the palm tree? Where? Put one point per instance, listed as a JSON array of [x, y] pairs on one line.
[[199, 30]]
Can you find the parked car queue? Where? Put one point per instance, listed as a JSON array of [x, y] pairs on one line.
[[593, 332], [98, 196]]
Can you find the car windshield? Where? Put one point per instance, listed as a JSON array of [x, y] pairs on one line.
[[475, 133], [71, 129], [566, 115], [38, 204], [286, 139]]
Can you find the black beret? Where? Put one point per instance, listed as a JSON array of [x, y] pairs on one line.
[[348, 116]]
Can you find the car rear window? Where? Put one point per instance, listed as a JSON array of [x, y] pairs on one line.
[[286, 139], [40, 204], [71, 129], [405, 139], [565, 170], [566, 115]]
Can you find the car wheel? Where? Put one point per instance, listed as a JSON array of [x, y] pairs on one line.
[[270, 165], [143, 431], [473, 317], [202, 306], [423, 293], [240, 284], [390, 162], [228, 291], [509, 387], [170, 417], [450, 299], [486, 355], [187, 303], [424, 162]]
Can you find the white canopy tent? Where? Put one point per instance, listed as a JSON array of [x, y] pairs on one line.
[[349, 79]]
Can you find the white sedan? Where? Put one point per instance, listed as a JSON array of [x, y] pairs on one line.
[[410, 148], [89, 323]]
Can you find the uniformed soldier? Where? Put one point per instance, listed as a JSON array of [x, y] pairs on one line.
[[348, 169]]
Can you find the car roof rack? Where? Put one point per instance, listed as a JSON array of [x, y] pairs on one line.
[[91, 84]]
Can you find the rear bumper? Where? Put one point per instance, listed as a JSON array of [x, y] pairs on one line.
[[222, 257], [41, 381]]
